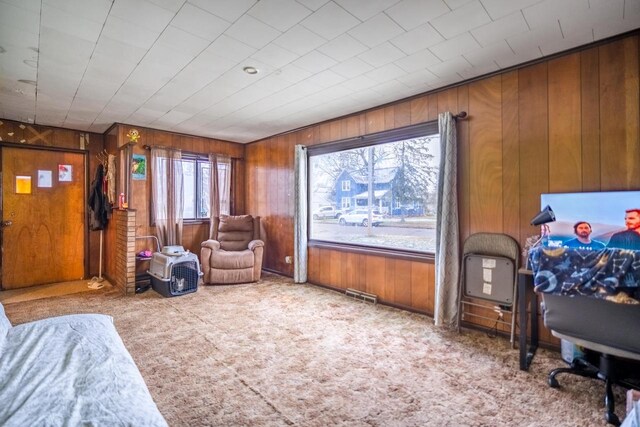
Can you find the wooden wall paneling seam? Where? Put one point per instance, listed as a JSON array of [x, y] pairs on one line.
[[510, 156], [565, 148], [534, 146], [485, 102], [463, 165], [590, 119]]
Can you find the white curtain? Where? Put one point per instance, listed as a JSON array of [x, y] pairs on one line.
[[447, 232], [214, 194], [224, 183], [300, 216], [167, 195]]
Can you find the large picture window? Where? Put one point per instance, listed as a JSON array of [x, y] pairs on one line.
[[196, 171], [391, 200]]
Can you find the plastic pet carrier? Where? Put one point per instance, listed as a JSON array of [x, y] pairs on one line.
[[175, 274]]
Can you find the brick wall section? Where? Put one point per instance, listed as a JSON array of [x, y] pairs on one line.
[[125, 221]]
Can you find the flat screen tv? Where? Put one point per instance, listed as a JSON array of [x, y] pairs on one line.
[[594, 220]]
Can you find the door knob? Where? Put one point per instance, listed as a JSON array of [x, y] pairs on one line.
[[4, 224]]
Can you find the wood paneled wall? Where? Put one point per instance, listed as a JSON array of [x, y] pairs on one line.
[[565, 124], [140, 197], [47, 136]]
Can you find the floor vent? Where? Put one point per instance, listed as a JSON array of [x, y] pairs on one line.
[[354, 293]]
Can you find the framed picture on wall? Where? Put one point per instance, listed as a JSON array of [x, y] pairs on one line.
[[45, 179], [23, 184], [65, 173], [139, 167]]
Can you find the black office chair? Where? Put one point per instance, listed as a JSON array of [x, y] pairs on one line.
[[610, 330]]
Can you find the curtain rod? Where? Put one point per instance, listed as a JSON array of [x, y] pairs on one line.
[[461, 115], [149, 147]]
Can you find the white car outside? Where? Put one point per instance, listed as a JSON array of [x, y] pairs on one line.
[[361, 217], [326, 212]]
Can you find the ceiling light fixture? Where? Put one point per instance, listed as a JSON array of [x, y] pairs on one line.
[[250, 70]]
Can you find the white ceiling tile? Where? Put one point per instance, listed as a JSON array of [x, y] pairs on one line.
[[98, 89], [280, 14], [376, 30], [252, 32], [145, 115], [417, 39], [454, 4], [16, 17], [549, 11], [465, 18], [412, 13], [182, 40], [631, 8], [364, 10], [293, 73], [351, 68], [613, 27], [103, 67], [122, 31], [551, 46], [418, 60], [172, 5], [536, 37], [382, 55], [386, 73], [342, 47], [325, 79], [313, 4], [486, 55], [93, 10], [500, 29], [118, 49], [230, 48], [172, 118], [472, 72], [64, 48], [274, 55], [229, 10], [499, 8], [314, 62], [199, 22], [359, 83], [299, 40], [418, 78], [31, 5], [518, 58], [450, 67], [575, 23], [330, 21], [70, 24], [14, 37], [154, 17]]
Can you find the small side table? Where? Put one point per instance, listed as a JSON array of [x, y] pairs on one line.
[[526, 296]]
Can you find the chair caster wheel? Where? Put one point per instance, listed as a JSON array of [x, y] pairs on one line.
[[553, 382], [612, 419]]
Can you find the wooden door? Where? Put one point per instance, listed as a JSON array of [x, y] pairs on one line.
[[43, 217]]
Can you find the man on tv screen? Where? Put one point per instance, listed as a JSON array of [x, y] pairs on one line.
[[629, 238], [582, 230]]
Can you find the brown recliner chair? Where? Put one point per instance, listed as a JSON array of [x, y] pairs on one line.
[[234, 255]]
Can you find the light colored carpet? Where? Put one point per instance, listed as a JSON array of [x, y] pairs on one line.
[[276, 353]]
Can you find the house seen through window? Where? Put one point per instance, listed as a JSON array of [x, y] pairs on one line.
[[381, 195]]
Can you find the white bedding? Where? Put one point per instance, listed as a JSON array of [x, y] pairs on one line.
[[69, 371]]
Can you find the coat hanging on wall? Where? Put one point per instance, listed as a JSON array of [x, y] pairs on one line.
[[98, 202]]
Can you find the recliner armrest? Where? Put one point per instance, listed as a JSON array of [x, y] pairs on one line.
[[255, 244], [214, 245]]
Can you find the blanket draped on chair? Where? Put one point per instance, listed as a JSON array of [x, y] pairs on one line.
[[612, 274]]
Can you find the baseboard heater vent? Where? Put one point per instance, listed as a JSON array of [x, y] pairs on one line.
[[354, 293]]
